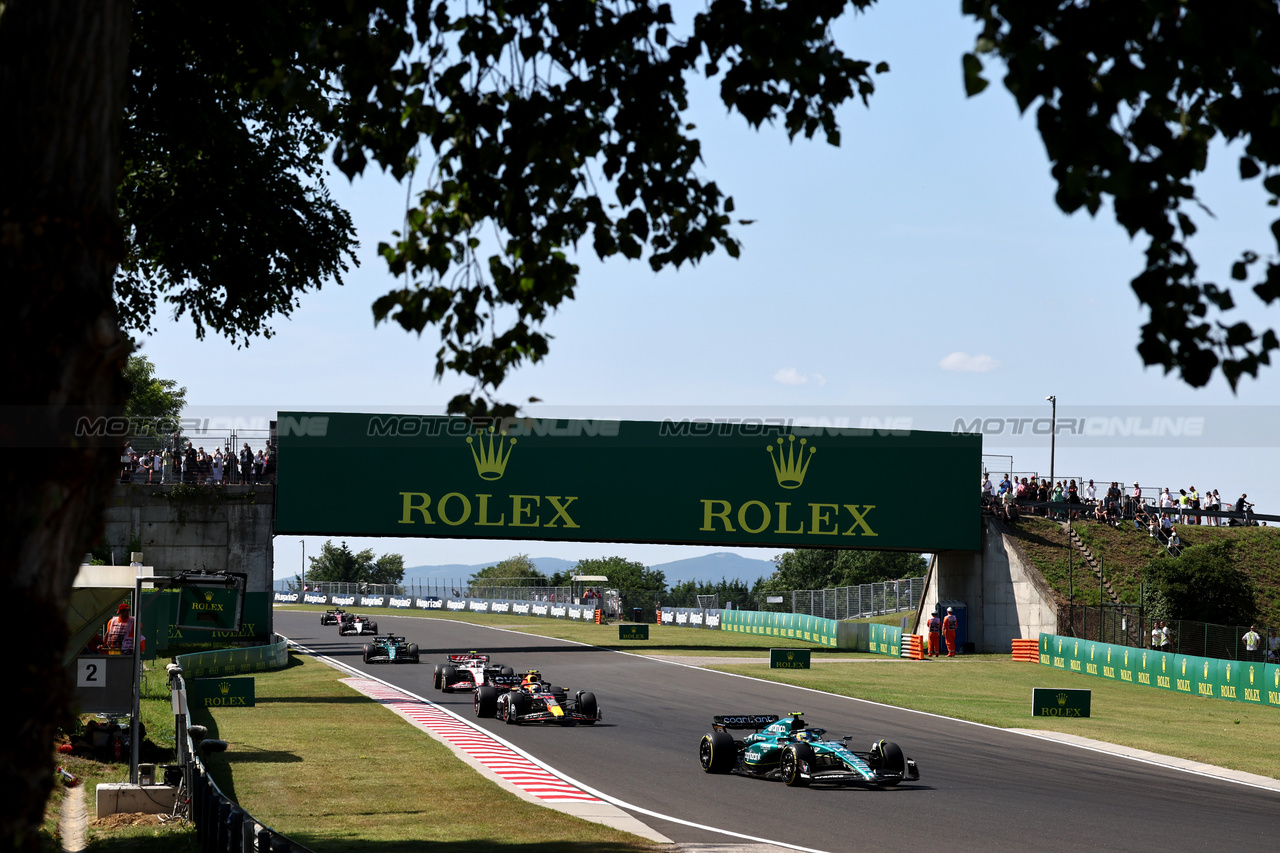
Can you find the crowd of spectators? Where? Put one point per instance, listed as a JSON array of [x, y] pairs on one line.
[[1064, 500], [181, 461]]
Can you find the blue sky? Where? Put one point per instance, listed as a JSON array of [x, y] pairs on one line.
[[922, 264]]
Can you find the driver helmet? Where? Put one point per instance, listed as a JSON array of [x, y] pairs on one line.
[[811, 735], [532, 677]]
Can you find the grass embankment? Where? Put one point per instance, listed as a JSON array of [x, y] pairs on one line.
[[1125, 552], [334, 771]]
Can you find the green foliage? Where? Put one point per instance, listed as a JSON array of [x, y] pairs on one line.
[[814, 568], [1205, 584], [623, 574], [338, 564], [150, 396], [228, 216], [734, 591], [1131, 98], [519, 566]]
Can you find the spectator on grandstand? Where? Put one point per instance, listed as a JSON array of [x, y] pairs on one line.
[[189, 464], [1242, 507], [1184, 506], [1113, 497], [216, 467], [1164, 636], [166, 466], [1135, 500], [1100, 512], [246, 464], [1175, 542], [259, 465], [1042, 495], [1273, 647], [1056, 495], [1005, 485], [1193, 501], [1091, 494], [1166, 499], [987, 490], [269, 465], [1073, 498], [1009, 506], [1021, 489], [1155, 636]]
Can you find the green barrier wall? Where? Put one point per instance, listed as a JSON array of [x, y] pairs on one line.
[[860, 637], [1253, 683], [235, 661]]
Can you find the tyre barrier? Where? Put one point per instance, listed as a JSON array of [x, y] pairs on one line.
[[1027, 651], [913, 646]]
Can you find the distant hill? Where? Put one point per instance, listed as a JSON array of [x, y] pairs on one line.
[[711, 567]]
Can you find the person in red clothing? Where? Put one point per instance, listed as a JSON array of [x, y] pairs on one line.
[[120, 629], [935, 634], [949, 624]]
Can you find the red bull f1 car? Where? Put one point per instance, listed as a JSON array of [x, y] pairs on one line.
[[790, 750], [533, 700], [350, 623], [469, 671], [390, 649]]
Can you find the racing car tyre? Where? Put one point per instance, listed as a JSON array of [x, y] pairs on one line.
[[486, 701], [446, 675], [891, 761], [717, 753], [587, 706], [435, 677], [507, 714], [790, 767], [365, 653], [413, 652]]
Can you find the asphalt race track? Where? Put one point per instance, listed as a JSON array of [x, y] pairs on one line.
[[979, 788]]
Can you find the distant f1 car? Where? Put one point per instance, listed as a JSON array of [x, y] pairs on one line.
[[332, 617], [536, 701], [350, 623], [471, 670], [788, 749], [390, 649]]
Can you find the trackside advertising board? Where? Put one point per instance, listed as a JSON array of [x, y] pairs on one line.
[[696, 482], [1251, 682]]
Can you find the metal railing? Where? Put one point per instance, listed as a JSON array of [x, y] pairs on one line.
[[221, 825], [859, 602]]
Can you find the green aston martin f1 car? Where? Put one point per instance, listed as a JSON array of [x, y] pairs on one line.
[[790, 750]]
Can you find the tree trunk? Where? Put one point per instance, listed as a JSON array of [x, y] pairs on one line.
[[62, 75]]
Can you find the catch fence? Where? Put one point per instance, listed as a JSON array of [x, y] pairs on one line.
[[859, 602], [1127, 625]]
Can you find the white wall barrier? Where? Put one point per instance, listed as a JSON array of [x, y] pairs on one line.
[[685, 617]]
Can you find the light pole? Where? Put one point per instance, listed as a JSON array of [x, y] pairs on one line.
[[1053, 434], [304, 561]]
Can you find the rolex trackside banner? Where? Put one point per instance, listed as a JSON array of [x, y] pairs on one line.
[[697, 482]]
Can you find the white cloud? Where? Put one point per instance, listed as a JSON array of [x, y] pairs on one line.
[[962, 362], [791, 376]]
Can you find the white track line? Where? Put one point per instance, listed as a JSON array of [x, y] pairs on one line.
[[581, 786]]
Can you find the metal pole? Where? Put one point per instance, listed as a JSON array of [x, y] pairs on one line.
[[137, 680], [304, 561], [1053, 434]]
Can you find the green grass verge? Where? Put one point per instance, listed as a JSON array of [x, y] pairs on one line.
[[334, 771], [994, 690], [663, 639]]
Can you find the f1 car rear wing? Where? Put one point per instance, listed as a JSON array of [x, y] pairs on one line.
[[743, 721], [468, 657]]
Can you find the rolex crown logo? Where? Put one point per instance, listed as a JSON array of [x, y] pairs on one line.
[[791, 655], [790, 467], [1062, 698], [224, 688], [491, 460], [208, 595]]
